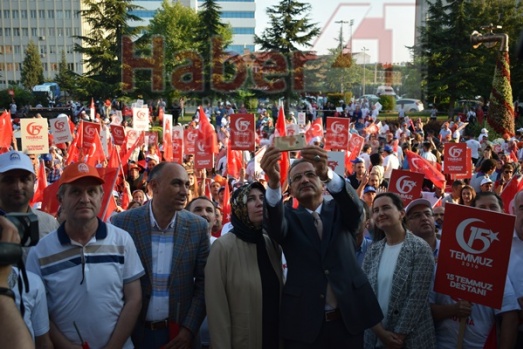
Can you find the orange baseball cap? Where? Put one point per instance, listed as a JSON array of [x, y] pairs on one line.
[[78, 171]]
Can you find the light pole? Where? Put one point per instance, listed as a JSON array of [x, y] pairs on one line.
[[351, 23], [342, 44], [364, 50]]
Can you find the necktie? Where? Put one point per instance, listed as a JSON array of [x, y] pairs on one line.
[[318, 223], [331, 298]]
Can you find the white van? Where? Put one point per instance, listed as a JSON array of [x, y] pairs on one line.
[[385, 90]]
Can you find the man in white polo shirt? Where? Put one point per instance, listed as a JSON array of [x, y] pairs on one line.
[[90, 269]]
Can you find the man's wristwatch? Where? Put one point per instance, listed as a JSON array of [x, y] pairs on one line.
[[7, 292], [330, 176]]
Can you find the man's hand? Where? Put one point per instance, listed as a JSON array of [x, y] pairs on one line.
[[318, 158], [270, 165], [182, 341]]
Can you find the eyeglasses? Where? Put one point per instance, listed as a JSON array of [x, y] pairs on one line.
[[309, 174], [421, 214]]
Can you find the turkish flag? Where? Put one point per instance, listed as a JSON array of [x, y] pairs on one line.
[[92, 110], [73, 154], [139, 140], [226, 204], [95, 154], [6, 136], [167, 141], [206, 131], [284, 159], [419, 164], [315, 130], [509, 192], [41, 185], [234, 161], [114, 158]]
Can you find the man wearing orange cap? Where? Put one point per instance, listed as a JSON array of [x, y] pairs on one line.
[[90, 269]]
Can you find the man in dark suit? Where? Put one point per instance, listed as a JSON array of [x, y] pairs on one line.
[[173, 246], [327, 300]]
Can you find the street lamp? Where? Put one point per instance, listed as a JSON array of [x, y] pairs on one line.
[[364, 50], [351, 23], [342, 44]]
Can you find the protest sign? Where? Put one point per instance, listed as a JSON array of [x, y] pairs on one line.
[[406, 184], [337, 135], [474, 254], [60, 130], [35, 136], [242, 130]]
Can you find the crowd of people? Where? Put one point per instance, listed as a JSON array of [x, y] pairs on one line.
[[271, 258]]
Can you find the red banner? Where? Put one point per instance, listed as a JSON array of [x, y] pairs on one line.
[[189, 136], [356, 143], [474, 254], [406, 184], [90, 129], [177, 141], [242, 130], [118, 133], [337, 135], [455, 155], [315, 130], [420, 165], [152, 137]]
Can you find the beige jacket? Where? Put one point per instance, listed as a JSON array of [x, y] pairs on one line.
[[233, 294]]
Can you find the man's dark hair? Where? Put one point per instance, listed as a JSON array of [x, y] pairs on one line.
[[482, 194], [457, 183], [189, 205], [487, 165]]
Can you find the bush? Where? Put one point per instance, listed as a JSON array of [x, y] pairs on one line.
[[22, 97], [388, 102]]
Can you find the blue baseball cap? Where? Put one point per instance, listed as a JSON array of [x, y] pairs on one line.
[[388, 149], [369, 189], [358, 160]]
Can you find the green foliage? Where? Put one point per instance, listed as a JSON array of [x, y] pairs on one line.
[[213, 36], [289, 29], [32, 70], [335, 98], [109, 21], [22, 97], [451, 68], [388, 102], [65, 78], [176, 24]]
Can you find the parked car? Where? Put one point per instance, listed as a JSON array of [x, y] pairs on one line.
[[371, 98], [385, 91], [409, 104]]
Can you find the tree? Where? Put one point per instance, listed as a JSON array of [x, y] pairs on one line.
[[290, 29], [65, 78], [32, 70], [452, 69], [213, 37], [176, 24], [108, 21]]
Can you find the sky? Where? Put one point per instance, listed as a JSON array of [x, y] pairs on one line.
[[382, 27]]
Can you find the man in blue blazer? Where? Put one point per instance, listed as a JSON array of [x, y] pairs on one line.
[[173, 246], [327, 301]]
